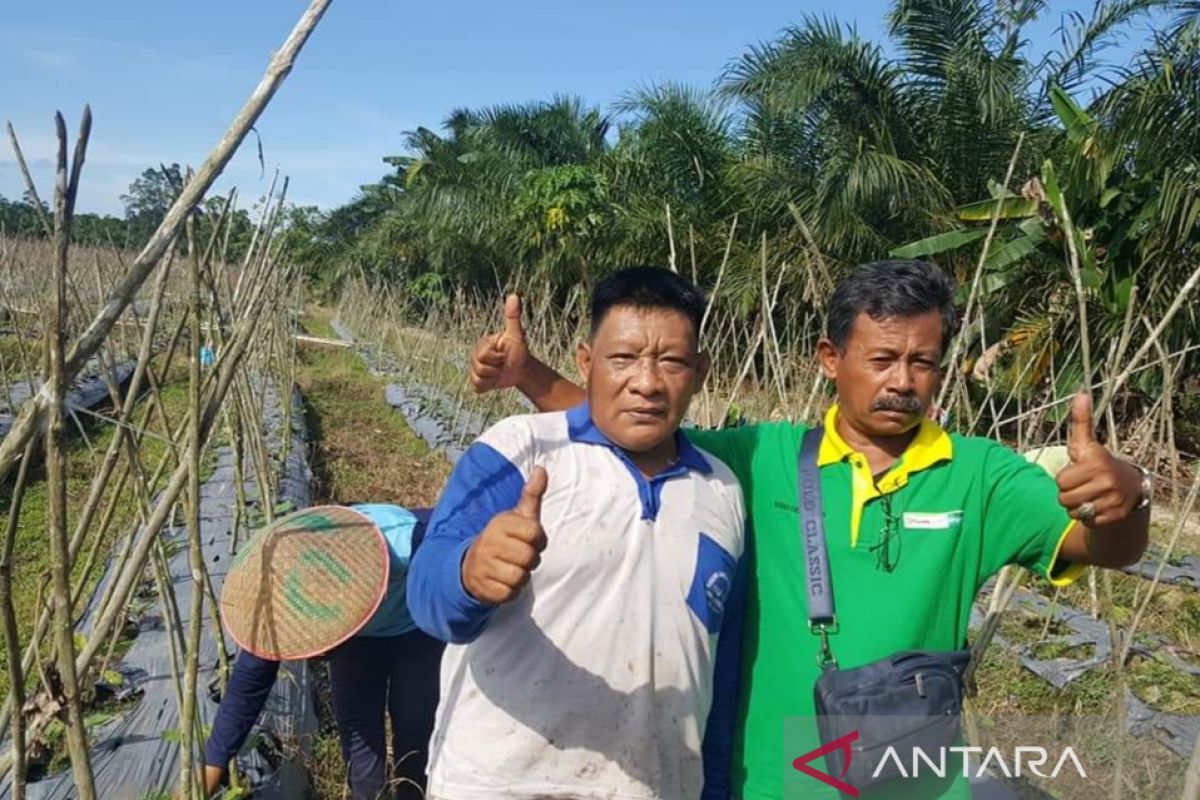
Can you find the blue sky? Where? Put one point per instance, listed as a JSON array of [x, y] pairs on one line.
[[164, 77]]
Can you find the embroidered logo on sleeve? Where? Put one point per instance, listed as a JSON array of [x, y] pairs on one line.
[[711, 582]]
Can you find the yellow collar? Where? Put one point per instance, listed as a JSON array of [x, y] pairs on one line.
[[930, 446]]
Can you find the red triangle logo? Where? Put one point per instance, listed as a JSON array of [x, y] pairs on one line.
[[841, 743]]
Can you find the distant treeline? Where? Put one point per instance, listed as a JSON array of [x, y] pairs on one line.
[[146, 203]]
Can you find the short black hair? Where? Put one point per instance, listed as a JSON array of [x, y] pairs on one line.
[[891, 290], [648, 288]]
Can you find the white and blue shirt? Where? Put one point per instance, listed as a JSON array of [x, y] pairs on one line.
[[596, 681]]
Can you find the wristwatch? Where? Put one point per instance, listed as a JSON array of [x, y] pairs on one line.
[[1147, 488]]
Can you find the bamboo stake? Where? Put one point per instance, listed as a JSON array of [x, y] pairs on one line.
[[56, 456], [30, 186], [187, 777], [124, 579], [12, 638], [33, 414], [227, 365]]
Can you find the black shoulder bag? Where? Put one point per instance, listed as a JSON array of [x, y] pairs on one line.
[[909, 700]]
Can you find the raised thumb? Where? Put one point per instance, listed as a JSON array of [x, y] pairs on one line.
[[512, 318], [530, 504], [1082, 430]]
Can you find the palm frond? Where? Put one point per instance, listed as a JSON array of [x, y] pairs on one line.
[[1082, 39]]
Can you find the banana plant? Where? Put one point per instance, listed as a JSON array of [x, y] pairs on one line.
[[1094, 198]]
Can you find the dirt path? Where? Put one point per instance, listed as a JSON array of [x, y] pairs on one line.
[[362, 451]]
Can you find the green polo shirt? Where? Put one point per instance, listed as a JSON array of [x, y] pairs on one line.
[[959, 508]]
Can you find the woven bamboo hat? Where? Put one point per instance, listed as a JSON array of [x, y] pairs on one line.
[[305, 583]]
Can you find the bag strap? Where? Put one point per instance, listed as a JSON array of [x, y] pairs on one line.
[[818, 581]]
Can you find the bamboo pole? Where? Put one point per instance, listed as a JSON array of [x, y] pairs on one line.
[[56, 456], [227, 365], [129, 574], [187, 777], [12, 637], [33, 414]]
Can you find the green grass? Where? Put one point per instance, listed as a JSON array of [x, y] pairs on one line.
[[1012, 696], [1047, 651], [362, 448], [1173, 613], [1162, 686], [318, 323], [1022, 626], [15, 353], [1006, 687]]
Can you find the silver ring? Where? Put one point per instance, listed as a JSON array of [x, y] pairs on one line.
[[1086, 512]]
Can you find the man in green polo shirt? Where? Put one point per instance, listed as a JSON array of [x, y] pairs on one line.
[[916, 519]]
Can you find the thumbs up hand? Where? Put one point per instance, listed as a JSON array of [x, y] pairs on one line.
[[1096, 488], [497, 566], [500, 358], [1081, 438]]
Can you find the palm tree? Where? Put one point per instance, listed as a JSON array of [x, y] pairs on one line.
[[896, 143], [673, 157], [460, 190], [860, 173], [822, 138]]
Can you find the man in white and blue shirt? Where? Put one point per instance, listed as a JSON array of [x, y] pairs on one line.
[[578, 563]]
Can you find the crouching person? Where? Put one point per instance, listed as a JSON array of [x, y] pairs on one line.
[[578, 563], [330, 581]]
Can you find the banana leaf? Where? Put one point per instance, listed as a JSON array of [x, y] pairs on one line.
[[1010, 208], [939, 243]]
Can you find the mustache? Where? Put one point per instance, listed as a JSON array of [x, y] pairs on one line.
[[897, 402]]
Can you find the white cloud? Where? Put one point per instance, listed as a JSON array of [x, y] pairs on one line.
[[72, 52], [51, 59]]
